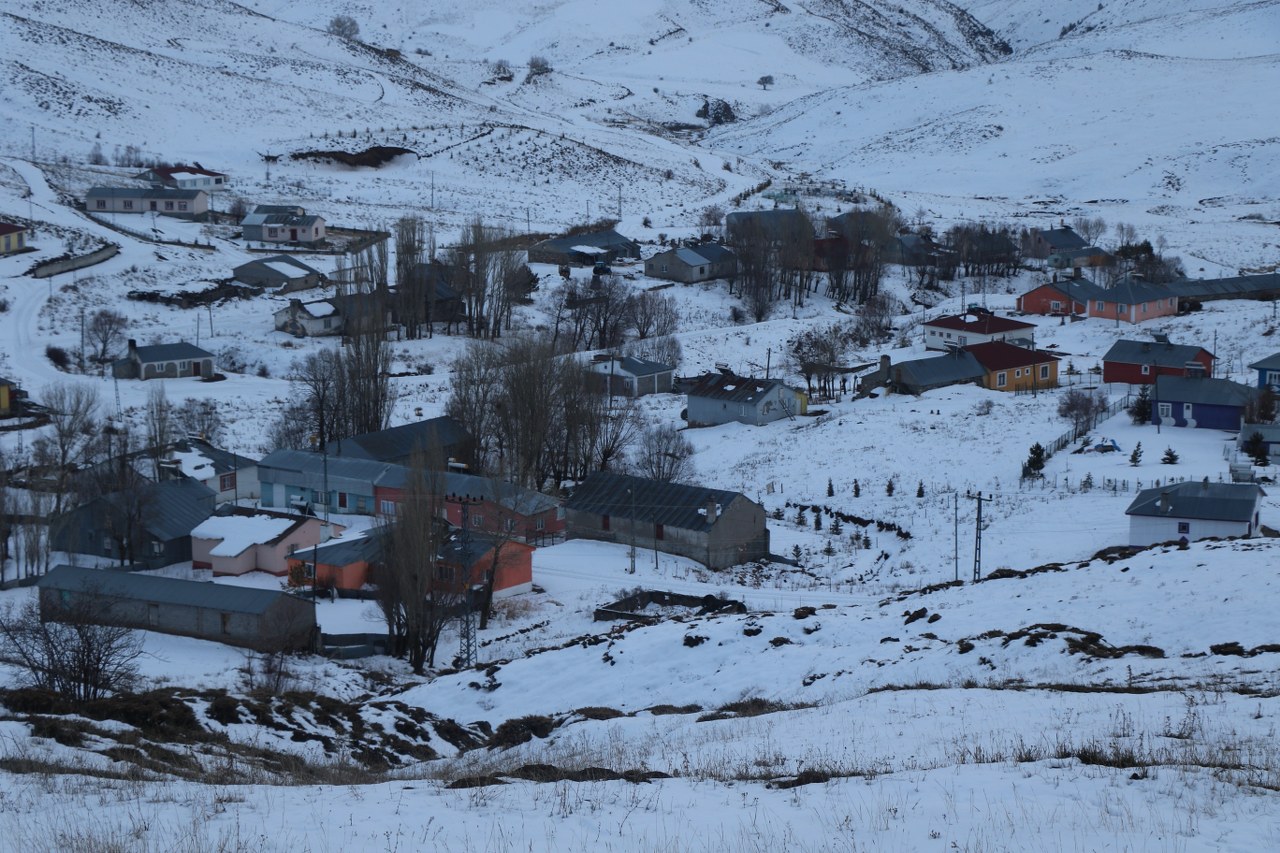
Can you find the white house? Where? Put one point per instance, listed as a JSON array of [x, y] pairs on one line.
[[975, 327], [1194, 510], [194, 177]]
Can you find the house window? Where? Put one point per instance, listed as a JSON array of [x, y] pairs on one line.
[[1002, 379], [271, 232], [509, 525], [540, 524], [1144, 308], [128, 205], [182, 205], [342, 500], [360, 503], [168, 205], [315, 496], [227, 482], [1184, 528], [1146, 370], [106, 545], [153, 614], [1044, 371], [1055, 306], [477, 520], [387, 507], [604, 522], [157, 549], [101, 204], [961, 339], [1166, 410], [1017, 373], [328, 322], [1100, 306], [1273, 377]]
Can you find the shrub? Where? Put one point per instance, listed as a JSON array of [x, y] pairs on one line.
[[344, 27], [59, 357]]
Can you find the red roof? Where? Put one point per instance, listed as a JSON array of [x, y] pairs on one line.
[[980, 324], [9, 228], [999, 355]]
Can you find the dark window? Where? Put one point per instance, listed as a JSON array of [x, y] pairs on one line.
[[342, 500], [227, 482], [604, 522], [1184, 527]]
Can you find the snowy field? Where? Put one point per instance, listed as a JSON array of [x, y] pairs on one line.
[[1074, 703]]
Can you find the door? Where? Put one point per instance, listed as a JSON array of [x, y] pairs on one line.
[[195, 367], [153, 205], [293, 235]]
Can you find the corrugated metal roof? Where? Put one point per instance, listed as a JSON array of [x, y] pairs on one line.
[[264, 265], [148, 193], [951, 369], [1271, 362], [1001, 355], [732, 388], [1202, 390], [1062, 238], [773, 224], [610, 239], [669, 504], [1204, 501], [1151, 352], [171, 352], [161, 590], [398, 444], [345, 551], [1240, 286]]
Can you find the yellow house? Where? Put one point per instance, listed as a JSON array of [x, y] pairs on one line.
[[13, 238], [6, 395], [1014, 368]]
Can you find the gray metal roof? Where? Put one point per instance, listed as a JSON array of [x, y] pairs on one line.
[[731, 388], [609, 239], [171, 352], [1061, 239], [305, 468], [1271, 362], [1240, 286], [1198, 500], [774, 224], [669, 504], [177, 507], [398, 444], [1202, 390], [635, 366], [149, 193], [262, 265], [161, 590], [1152, 352], [344, 552], [953, 368]]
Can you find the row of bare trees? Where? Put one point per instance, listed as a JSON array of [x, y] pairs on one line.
[[601, 316]]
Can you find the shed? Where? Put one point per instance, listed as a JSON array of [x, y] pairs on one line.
[[164, 361], [631, 377], [1194, 510], [283, 273]]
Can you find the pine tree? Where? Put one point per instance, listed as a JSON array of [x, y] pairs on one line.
[[828, 549], [795, 552], [778, 514], [800, 519], [1256, 448], [836, 527], [817, 520], [831, 489], [1034, 466], [866, 542], [1170, 457], [1087, 483], [888, 487], [1136, 456], [857, 490], [920, 489], [1140, 408]]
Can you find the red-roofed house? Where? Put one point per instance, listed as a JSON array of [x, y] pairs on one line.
[[978, 327], [13, 238], [1014, 368]]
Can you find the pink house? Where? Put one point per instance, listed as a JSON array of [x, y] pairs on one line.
[[253, 540]]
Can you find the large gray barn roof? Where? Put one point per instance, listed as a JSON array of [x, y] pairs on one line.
[[398, 444], [1152, 352], [160, 590], [1203, 390], [1206, 501], [670, 504], [938, 371]]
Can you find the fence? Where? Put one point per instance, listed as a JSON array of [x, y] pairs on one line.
[[1074, 433]]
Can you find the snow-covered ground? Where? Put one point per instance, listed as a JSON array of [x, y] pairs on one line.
[[1079, 707]]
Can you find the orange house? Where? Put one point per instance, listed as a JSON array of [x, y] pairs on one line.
[[1014, 368]]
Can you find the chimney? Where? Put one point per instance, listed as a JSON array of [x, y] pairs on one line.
[[884, 364], [133, 346], [712, 506]]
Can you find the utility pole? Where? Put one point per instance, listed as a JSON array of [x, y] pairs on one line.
[[467, 630], [977, 536], [632, 494], [955, 546]]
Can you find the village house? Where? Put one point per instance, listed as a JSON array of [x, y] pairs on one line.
[[956, 367], [1254, 286], [975, 327], [1185, 512], [724, 397], [714, 527], [181, 204], [253, 540], [276, 223], [1013, 368], [584, 249], [691, 264], [344, 314], [163, 361], [1079, 259], [228, 475], [297, 480], [628, 376], [1040, 243], [281, 273], [13, 238], [1129, 300], [10, 394], [1268, 372], [1140, 362], [266, 620], [440, 441], [779, 225], [147, 527], [194, 177], [1200, 402], [345, 564]]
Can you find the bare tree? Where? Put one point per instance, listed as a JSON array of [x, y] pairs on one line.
[[344, 27], [73, 413], [538, 65], [418, 596], [160, 424], [319, 378], [412, 275], [664, 454], [664, 349], [651, 313], [199, 417], [1082, 409], [105, 328], [73, 653], [1090, 229]]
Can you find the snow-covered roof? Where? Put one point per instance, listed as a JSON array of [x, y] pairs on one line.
[[589, 250], [238, 532]]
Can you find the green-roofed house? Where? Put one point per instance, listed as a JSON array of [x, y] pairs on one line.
[[266, 620]]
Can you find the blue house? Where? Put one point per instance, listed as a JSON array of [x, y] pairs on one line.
[[1268, 372], [1199, 402]]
